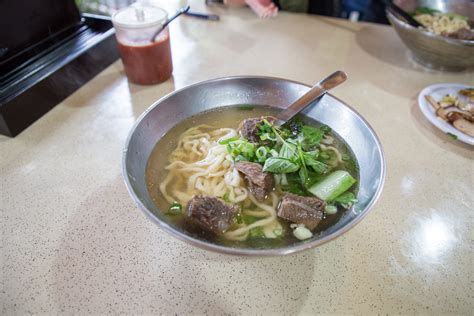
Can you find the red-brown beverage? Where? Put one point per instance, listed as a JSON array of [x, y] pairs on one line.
[[146, 56], [147, 64]]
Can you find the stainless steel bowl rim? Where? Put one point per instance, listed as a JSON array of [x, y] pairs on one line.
[[245, 251], [430, 34]]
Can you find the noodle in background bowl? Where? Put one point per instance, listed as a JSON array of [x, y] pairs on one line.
[[181, 104], [436, 51]]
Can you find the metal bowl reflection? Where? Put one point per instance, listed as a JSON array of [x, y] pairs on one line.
[[436, 51], [181, 104]]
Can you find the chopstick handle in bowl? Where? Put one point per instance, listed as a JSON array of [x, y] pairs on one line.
[[395, 9]]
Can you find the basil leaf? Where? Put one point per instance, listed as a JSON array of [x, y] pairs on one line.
[[294, 185], [318, 166], [280, 165], [312, 136], [288, 151], [304, 178], [346, 200]]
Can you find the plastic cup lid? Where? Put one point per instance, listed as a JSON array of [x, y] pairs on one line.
[[139, 16]]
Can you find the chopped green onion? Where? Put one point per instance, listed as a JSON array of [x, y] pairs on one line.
[[266, 136], [278, 232], [302, 233], [257, 232], [225, 197], [330, 209], [247, 148], [175, 209], [229, 140], [261, 153], [240, 158], [345, 157]]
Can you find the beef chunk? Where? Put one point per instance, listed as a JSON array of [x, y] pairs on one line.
[[463, 34], [210, 213], [249, 130], [301, 210], [260, 183]]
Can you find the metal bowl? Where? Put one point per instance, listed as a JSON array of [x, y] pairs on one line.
[[181, 104], [435, 51]]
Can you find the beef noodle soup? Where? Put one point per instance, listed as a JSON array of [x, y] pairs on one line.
[[229, 176]]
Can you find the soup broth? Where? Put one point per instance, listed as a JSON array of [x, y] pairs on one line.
[[230, 117]]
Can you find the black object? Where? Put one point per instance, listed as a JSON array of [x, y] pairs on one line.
[[35, 78], [325, 7], [205, 16], [28, 22], [396, 10], [171, 19]]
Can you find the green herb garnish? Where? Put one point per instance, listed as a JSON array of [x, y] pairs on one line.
[[426, 10], [245, 107], [455, 137], [257, 232], [229, 140], [175, 209], [346, 200]]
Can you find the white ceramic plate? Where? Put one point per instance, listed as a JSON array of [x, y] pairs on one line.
[[437, 91]]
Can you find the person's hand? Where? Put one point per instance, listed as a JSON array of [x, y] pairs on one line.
[[263, 8]]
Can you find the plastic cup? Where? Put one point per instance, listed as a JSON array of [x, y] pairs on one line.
[[146, 60]]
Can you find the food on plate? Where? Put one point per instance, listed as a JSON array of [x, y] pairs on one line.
[[457, 110], [445, 24], [249, 182]]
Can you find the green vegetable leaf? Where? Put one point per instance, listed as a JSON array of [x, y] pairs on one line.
[[280, 165], [288, 151], [329, 158], [225, 197], [346, 200], [317, 166], [304, 178], [312, 136], [294, 185]]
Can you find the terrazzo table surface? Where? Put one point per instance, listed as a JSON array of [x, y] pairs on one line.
[[74, 242]]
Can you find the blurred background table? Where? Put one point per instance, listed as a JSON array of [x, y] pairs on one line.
[[74, 242]]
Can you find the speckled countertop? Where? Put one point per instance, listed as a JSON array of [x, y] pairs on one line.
[[74, 242]]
